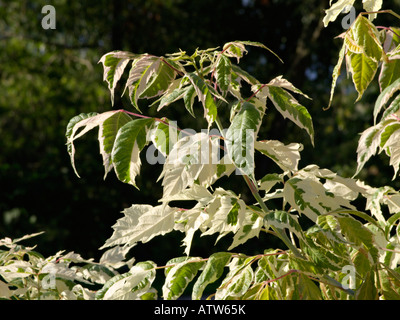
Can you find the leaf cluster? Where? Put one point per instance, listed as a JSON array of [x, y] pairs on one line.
[[333, 250]]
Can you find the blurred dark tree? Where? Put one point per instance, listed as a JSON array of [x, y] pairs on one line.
[[49, 76]]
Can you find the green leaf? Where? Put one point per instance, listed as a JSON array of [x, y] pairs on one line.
[[281, 83], [206, 94], [174, 93], [393, 108], [387, 133], [86, 121], [359, 235], [149, 77], [284, 220], [107, 133], [163, 135], [365, 36], [223, 72], [390, 283], [385, 96], [188, 99], [368, 289], [130, 140], [212, 271], [158, 79], [114, 64], [390, 72], [363, 70], [391, 223], [244, 75], [336, 73], [288, 106], [179, 276], [240, 136], [141, 223], [234, 50], [308, 290]]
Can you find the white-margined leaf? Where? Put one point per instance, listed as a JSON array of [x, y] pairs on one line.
[[114, 64], [363, 70], [333, 12], [250, 227], [86, 121], [390, 70], [236, 49], [212, 271], [310, 197], [381, 137], [205, 94], [284, 220], [149, 77], [141, 223], [240, 137], [164, 135], [130, 285], [129, 142], [366, 36], [270, 180], [288, 107], [244, 75], [285, 84], [368, 145], [237, 281], [192, 158], [226, 214], [179, 276], [223, 72], [336, 72], [385, 96], [108, 130], [285, 156]]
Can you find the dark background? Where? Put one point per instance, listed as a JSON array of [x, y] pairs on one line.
[[49, 76]]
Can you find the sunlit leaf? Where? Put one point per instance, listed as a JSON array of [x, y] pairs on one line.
[[130, 140], [107, 133], [141, 223], [179, 276], [114, 64], [240, 137], [86, 121], [212, 271], [285, 156], [333, 12]]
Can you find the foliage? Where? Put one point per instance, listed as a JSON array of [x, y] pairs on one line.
[[333, 250]]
